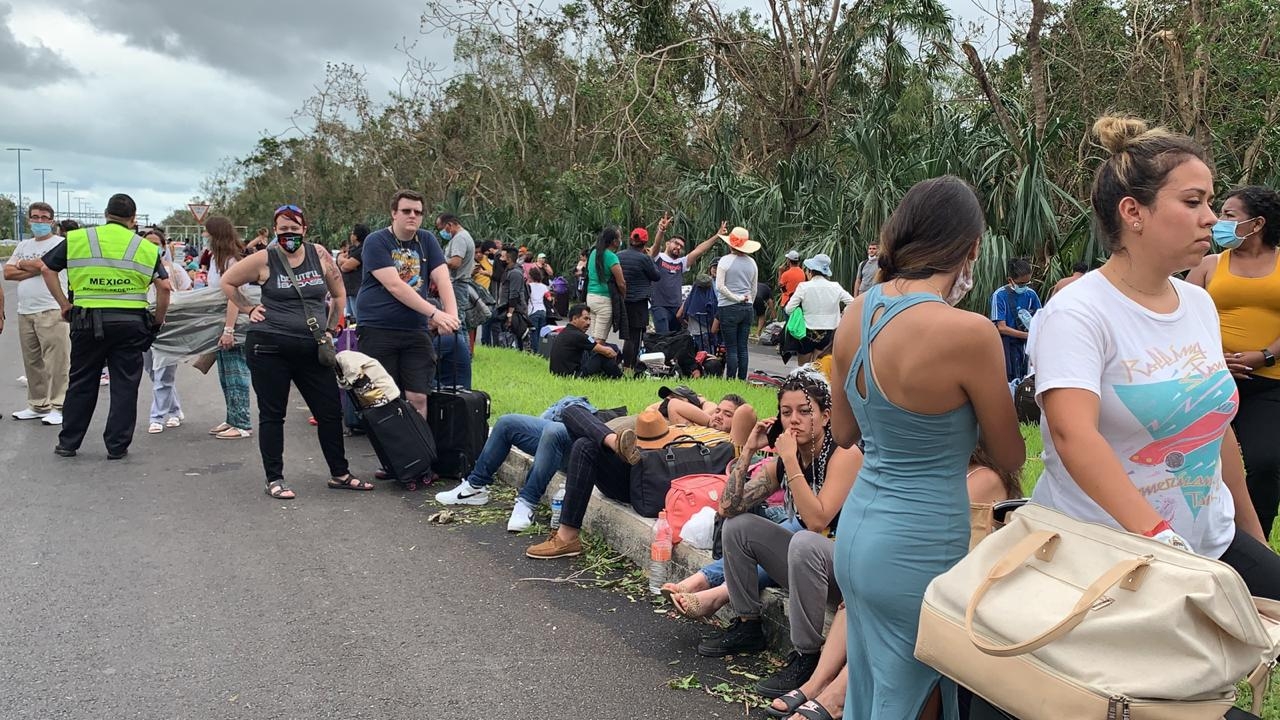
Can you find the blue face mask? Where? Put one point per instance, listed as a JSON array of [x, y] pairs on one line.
[[40, 229], [446, 235], [1224, 234], [1022, 289]]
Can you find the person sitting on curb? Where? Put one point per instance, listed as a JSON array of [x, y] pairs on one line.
[[816, 477], [546, 440], [822, 695], [683, 406], [575, 353], [591, 466]]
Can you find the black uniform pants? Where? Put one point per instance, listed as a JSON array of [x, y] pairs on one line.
[[120, 349]]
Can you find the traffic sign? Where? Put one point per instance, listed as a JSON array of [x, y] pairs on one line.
[[199, 211]]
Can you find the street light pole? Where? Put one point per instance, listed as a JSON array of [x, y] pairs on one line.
[[17, 217], [57, 194], [68, 192], [42, 171]]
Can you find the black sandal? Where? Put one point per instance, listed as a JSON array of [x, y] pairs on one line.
[[277, 489], [793, 700], [350, 482], [813, 710]]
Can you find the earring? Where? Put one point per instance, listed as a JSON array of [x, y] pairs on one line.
[[1137, 226]]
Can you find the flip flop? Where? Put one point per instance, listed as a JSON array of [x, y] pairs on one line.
[[347, 483], [793, 701], [671, 589], [221, 427], [813, 710], [688, 605]]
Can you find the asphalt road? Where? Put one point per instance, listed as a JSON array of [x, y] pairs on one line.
[[167, 585]]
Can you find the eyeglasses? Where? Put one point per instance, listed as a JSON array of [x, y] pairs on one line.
[[41, 218], [409, 211], [289, 208]]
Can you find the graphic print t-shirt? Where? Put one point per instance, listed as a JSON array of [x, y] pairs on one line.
[[413, 261], [1166, 402], [670, 284]]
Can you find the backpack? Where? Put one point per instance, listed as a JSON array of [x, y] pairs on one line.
[[688, 495]]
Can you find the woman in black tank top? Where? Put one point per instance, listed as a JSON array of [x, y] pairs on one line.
[[281, 349]]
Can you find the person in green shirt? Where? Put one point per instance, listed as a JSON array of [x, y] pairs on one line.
[[601, 264]]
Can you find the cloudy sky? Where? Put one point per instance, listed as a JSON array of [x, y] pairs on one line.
[[148, 96]]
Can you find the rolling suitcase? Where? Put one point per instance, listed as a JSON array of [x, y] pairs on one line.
[[400, 437], [346, 340], [459, 421]]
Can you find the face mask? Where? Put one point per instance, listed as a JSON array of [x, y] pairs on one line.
[[290, 242], [1224, 234], [1022, 289], [963, 284], [40, 229], [446, 235]]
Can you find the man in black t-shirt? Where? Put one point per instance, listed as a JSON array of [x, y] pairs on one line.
[[573, 352], [350, 264]]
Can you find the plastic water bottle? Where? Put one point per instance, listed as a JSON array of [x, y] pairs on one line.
[[557, 505], [659, 554]]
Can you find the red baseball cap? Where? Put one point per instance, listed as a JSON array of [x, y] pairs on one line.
[[640, 234]]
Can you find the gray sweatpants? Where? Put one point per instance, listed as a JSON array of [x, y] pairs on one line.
[[800, 562]]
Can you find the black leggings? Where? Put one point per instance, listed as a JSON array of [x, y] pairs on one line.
[[1257, 424], [1258, 564], [591, 465]]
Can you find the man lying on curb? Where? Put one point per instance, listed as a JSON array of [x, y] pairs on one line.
[[683, 406], [546, 440]]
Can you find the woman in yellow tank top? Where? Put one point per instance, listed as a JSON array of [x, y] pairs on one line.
[[1244, 282]]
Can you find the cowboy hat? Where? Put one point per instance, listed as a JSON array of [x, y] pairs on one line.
[[652, 430], [739, 239]]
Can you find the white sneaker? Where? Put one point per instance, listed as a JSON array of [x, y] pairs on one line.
[[53, 418], [29, 414], [22, 380], [521, 518], [464, 494]]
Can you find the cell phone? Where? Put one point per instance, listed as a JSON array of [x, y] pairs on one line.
[[774, 432]]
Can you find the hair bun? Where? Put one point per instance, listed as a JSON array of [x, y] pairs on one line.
[[1115, 131]]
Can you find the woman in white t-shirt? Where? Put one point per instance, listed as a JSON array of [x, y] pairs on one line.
[[537, 305], [226, 248], [1129, 369]]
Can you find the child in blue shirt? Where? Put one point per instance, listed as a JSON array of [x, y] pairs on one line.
[[1012, 307]]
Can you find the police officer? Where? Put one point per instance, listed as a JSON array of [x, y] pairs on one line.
[[109, 268]]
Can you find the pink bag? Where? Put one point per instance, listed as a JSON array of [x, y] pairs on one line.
[[688, 495]]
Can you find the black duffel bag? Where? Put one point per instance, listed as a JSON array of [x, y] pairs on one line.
[[678, 347], [651, 477]]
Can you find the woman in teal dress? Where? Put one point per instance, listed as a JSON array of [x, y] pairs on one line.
[[921, 379]]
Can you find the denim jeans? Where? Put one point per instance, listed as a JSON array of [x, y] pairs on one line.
[[714, 571], [735, 327], [664, 319], [548, 442], [537, 321]]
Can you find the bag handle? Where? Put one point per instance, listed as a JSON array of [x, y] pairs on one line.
[[1044, 544], [312, 323]]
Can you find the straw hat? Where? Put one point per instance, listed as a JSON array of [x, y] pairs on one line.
[[739, 239], [652, 430]]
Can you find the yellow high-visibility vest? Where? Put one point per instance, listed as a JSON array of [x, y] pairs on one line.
[[109, 266]]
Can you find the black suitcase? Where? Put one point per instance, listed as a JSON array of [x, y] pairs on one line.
[[459, 420], [401, 439]]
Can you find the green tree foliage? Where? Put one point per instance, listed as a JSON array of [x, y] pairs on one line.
[[806, 123]]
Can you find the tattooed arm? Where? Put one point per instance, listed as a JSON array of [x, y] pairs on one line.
[[740, 493], [337, 291]]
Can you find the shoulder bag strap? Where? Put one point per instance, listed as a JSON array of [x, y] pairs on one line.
[[314, 325]]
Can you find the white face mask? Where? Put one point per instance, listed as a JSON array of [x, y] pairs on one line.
[[963, 284]]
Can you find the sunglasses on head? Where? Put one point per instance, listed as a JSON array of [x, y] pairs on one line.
[[289, 208]]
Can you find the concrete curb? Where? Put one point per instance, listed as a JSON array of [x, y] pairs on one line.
[[630, 534]]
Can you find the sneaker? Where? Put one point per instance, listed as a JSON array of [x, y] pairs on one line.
[[53, 418], [796, 672], [29, 414], [627, 449], [464, 494], [745, 635], [22, 380], [521, 517], [105, 379], [555, 548]]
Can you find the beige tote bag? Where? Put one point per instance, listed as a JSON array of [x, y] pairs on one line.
[[1053, 618]]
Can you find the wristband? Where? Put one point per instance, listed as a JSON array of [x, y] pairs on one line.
[[1164, 525], [228, 331]]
